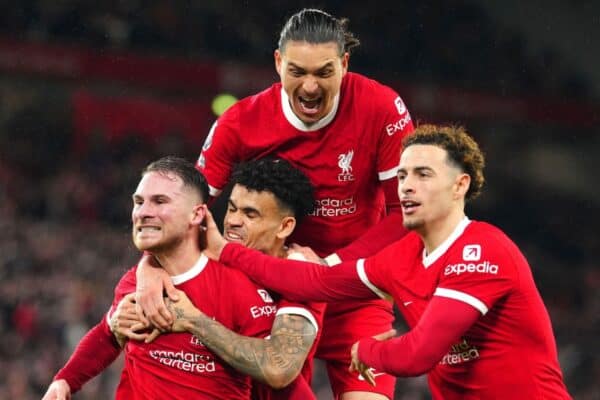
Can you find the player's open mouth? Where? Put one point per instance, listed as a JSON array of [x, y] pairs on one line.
[[409, 206], [310, 106], [231, 236], [147, 228]]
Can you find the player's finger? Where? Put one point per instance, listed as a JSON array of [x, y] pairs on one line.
[[137, 336], [386, 335], [140, 313], [153, 335], [171, 290], [367, 374]]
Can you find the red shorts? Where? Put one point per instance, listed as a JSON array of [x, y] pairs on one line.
[[345, 324]]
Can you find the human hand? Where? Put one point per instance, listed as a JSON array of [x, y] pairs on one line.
[[58, 390], [306, 252], [152, 282], [183, 311], [363, 369], [214, 240], [125, 322]]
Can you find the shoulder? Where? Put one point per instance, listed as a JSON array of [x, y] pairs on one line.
[[409, 247], [127, 283], [230, 279], [490, 237], [358, 83], [268, 98]]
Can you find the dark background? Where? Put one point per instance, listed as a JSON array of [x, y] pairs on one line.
[[90, 93]]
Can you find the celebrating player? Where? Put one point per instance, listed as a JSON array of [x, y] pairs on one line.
[[269, 198], [344, 132], [479, 327]]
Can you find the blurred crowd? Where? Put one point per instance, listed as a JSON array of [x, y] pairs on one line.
[[431, 42], [64, 213]]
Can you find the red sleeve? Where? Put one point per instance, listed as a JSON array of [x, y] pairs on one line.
[[387, 231], [297, 280], [415, 353], [218, 155], [96, 351]]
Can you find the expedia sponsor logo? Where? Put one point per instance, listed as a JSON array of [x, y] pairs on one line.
[[400, 106], [471, 252], [483, 268], [329, 207], [263, 311], [460, 353], [265, 296], [398, 125]]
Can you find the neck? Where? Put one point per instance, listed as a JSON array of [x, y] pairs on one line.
[[180, 259], [436, 232]]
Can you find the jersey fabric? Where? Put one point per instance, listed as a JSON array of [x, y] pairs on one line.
[[510, 351], [346, 156], [178, 365]]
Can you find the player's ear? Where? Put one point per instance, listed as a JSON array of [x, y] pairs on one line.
[[461, 185], [278, 61], [287, 227], [198, 214], [345, 62]]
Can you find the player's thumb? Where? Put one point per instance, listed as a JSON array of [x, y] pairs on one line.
[[170, 290]]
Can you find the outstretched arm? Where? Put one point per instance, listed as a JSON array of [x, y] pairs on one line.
[[276, 361], [295, 280], [443, 323], [389, 230]]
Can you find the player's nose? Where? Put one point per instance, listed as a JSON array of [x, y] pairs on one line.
[[310, 85]]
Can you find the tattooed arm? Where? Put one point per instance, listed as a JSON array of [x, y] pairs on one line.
[[276, 361]]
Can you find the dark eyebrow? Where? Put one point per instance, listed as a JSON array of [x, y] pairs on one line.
[[321, 68]]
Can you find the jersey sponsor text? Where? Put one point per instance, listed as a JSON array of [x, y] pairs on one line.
[[185, 361], [485, 268]]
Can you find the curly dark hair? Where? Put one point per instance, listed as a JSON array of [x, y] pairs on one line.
[[292, 189], [315, 26], [463, 151]]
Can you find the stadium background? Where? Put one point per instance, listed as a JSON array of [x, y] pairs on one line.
[[89, 93]]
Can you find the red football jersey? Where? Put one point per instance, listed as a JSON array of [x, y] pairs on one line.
[[510, 351], [178, 365], [345, 155]]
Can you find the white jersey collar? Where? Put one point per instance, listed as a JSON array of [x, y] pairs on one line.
[[297, 122], [192, 272], [441, 249]]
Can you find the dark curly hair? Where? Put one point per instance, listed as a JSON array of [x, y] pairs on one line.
[[463, 151], [315, 26], [291, 187]]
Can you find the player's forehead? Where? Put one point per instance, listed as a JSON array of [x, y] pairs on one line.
[[263, 201], [310, 55], [159, 183], [423, 155]]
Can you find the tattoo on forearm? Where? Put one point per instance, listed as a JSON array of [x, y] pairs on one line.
[[273, 360]]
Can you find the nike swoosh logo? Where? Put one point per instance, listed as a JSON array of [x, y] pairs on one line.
[[375, 375], [407, 303]]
